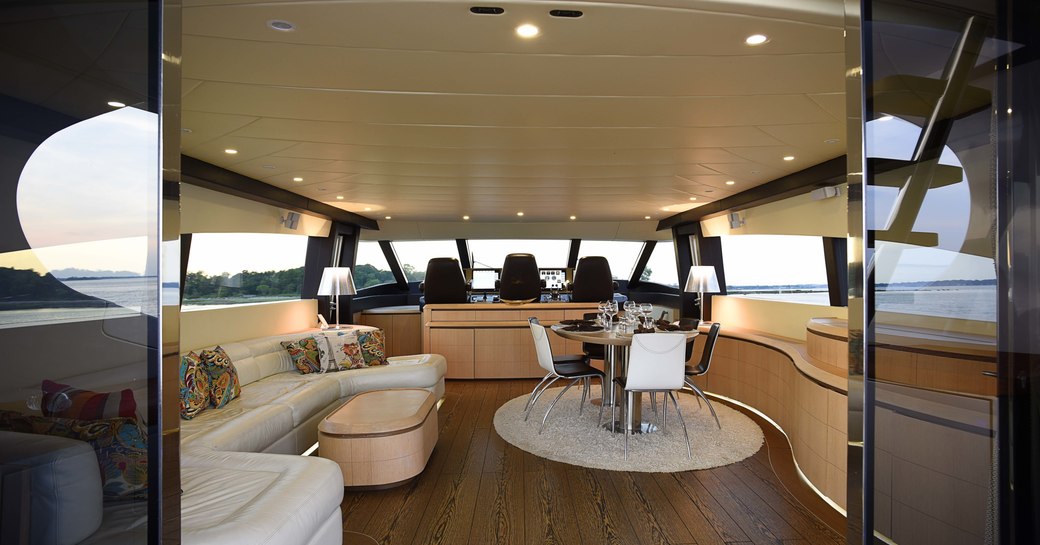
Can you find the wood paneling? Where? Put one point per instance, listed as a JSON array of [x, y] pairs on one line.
[[403, 331], [456, 345]]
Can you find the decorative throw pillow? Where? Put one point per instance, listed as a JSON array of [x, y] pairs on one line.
[[346, 350], [373, 347], [195, 386], [223, 376], [306, 353], [119, 443], [68, 402]]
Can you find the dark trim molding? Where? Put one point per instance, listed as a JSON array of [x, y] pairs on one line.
[[464, 255], [641, 261], [835, 258], [827, 173], [395, 264], [203, 174], [572, 255]]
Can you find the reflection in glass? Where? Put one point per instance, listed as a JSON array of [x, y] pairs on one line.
[[370, 266], [239, 268], [776, 267]]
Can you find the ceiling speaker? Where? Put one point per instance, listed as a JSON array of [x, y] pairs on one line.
[[291, 220], [825, 193], [735, 220]]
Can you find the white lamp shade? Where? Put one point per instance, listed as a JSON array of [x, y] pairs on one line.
[[336, 281], [702, 279]]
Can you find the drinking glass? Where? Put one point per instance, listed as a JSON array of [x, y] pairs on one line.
[[602, 317], [610, 311], [647, 310]]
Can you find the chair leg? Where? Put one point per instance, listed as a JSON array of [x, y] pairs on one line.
[[551, 405], [533, 392], [584, 394], [664, 412], [689, 451], [629, 399], [689, 382], [653, 402], [701, 395], [539, 394]]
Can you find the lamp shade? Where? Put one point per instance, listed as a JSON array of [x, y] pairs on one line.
[[702, 279], [336, 281]]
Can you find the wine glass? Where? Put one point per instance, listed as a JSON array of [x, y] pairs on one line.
[[602, 308], [610, 311], [647, 310]]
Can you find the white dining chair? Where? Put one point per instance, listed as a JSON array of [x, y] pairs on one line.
[[656, 363], [575, 371]]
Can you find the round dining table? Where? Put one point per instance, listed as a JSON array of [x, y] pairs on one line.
[[616, 347]]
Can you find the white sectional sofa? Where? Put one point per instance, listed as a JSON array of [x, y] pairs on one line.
[[239, 487]]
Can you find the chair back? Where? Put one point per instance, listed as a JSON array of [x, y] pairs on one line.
[[656, 361], [709, 349], [445, 282], [592, 350], [592, 280], [689, 346], [541, 345], [520, 282]]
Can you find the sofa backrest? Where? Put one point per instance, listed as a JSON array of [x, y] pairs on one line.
[[259, 358]]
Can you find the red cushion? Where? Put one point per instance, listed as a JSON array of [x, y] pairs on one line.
[[68, 402]]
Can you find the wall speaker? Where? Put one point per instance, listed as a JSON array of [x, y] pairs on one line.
[[291, 220], [825, 193], [735, 220]]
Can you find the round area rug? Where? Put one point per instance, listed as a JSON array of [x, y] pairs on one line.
[[577, 440]]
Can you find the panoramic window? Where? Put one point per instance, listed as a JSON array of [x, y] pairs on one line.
[[416, 254], [777, 267], [491, 253], [621, 254], [370, 266], [231, 269], [661, 269]]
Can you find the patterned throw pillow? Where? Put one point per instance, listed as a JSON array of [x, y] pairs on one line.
[[68, 402], [346, 350], [223, 376], [119, 443], [373, 347], [195, 386], [306, 353]]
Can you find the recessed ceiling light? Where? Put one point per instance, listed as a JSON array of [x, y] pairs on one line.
[[693, 198], [756, 39], [282, 26], [339, 197], [709, 190], [789, 158], [387, 217], [465, 217], [831, 141], [186, 130], [116, 104], [730, 182], [646, 217], [520, 214], [885, 118], [269, 167], [297, 179], [230, 151], [527, 30], [574, 217], [368, 209]]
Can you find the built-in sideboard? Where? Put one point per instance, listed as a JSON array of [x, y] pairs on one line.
[[493, 340]]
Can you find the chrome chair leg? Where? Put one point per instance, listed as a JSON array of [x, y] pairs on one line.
[[700, 396], [584, 393], [551, 405], [539, 394], [689, 382], [629, 398], [533, 392], [664, 412], [653, 402], [689, 451]]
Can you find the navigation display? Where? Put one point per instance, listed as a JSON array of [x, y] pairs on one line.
[[484, 279], [554, 278]]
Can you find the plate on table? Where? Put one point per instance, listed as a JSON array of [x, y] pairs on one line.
[[585, 328], [578, 322]]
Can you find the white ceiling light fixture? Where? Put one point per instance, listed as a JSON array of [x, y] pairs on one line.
[[116, 104], [693, 198], [297, 179], [339, 197], [465, 217], [646, 217], [574, 217], [230, 151], [756, 39], [730, 182], [521, 214], [527, 31], [789, 158], [281, 26], [387, 217]]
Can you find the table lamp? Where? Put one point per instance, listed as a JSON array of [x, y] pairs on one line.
[[336, 281], [702, 279]]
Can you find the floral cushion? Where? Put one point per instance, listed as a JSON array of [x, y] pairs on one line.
[[195, 386], [306, 353], [224, 384], [119, 443], [68, 402], [373, 347], [345, 349]]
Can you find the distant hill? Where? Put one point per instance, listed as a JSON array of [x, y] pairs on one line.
[[73, 272]]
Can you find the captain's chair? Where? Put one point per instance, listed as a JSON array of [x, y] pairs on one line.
[[445, 282], [520, 282], [592, 280]]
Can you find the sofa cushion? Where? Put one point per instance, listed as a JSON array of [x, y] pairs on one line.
[[65, 500], [308, 355], [420, 371], [236, 497], [68, 402], [237, 428], [119, 445], [195, 386], [305, 397], [345, 350], [224, 384], [373, 347]]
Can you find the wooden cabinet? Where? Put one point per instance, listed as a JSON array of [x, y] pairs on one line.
[[402, 327], [493, 340]]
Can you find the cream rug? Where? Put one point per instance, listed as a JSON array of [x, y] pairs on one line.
[[576, 440]]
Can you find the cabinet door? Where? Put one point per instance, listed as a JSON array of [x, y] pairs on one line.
[[407, 334], [456, 345]]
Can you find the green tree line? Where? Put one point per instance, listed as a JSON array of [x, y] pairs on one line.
[[198, 285]]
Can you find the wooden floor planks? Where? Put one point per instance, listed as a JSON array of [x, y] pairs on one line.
[[478, 489]]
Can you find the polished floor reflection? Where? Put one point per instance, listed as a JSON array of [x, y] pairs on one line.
[[479, 489]]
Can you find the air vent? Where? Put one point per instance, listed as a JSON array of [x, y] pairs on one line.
[[571, 13], [482, 10]]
